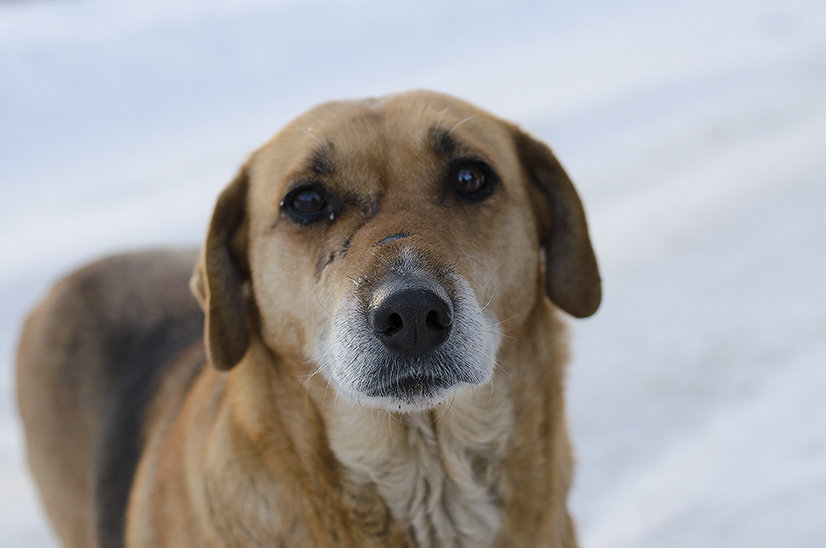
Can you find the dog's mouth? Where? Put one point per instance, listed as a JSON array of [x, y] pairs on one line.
[[411, 388]]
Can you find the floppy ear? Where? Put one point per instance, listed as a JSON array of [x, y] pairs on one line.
[[572, 278], [221, 275]]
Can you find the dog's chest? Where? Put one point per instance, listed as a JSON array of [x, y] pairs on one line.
[[436, 472]]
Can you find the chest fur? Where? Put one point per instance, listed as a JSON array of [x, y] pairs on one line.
[[437, 472]]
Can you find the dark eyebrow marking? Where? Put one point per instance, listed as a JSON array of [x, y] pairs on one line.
[[321, 161], [441, 140]]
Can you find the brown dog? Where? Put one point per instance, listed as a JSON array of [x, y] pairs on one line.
[[379, 287]]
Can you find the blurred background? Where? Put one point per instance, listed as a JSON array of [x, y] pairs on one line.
[[695, 131]]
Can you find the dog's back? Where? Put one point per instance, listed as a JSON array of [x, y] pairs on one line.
[[90, 359]]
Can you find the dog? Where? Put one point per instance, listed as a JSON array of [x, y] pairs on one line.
[[374, 355]]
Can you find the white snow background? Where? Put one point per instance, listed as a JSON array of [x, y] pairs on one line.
[[694, 130]]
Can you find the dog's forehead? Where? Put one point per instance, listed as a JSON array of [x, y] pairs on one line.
[[393, 133]]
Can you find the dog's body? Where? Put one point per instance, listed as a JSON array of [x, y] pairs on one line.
[[386, 365]]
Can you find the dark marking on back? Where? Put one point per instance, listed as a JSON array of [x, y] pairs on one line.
[[142, 360], [441, 141], [393, 238]]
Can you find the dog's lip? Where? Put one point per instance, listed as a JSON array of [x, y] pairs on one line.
[[411, 385]]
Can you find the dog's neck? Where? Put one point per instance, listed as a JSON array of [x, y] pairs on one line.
[[437, 471], [490, 466]]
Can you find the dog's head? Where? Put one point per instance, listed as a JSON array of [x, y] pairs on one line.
[[384, 242]]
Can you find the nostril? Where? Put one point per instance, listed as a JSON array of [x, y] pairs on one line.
[[438, 320], [393, 324]]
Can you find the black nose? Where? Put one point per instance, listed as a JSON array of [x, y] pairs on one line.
[[410, 321]]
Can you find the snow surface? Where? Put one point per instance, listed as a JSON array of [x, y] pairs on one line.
[[695, 131]]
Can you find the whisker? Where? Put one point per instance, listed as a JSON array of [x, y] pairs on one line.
[[322, 363], [490, 300], [327, 391], [509, 319], [498, 367], [498, 333], [317, 300], [462, 121], [438, 125], [449, 408], [311, 375]]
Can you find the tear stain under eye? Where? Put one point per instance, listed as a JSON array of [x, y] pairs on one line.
[[393, 238], [346, 246], [338, 253]]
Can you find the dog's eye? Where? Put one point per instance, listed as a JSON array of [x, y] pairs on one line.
[[306, 204], [473, 180]]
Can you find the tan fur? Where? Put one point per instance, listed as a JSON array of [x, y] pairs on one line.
[[275, 445]]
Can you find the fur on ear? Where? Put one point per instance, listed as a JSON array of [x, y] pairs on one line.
[[221, 274], [572, 279]]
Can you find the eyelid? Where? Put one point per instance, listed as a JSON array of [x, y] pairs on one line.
[[302, 184]]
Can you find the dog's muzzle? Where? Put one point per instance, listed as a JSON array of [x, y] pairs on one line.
[[409, 341]]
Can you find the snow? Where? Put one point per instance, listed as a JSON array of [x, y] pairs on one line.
[[695, 131]]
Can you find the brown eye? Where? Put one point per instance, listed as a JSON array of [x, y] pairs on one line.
[[472, 180], [306, 204], [469, 179], [308, 201]]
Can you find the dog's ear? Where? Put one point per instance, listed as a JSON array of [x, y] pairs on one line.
[[221, 277], [572, 278]]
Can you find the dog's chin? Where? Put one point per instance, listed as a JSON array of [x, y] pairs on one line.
[[410, 394]]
